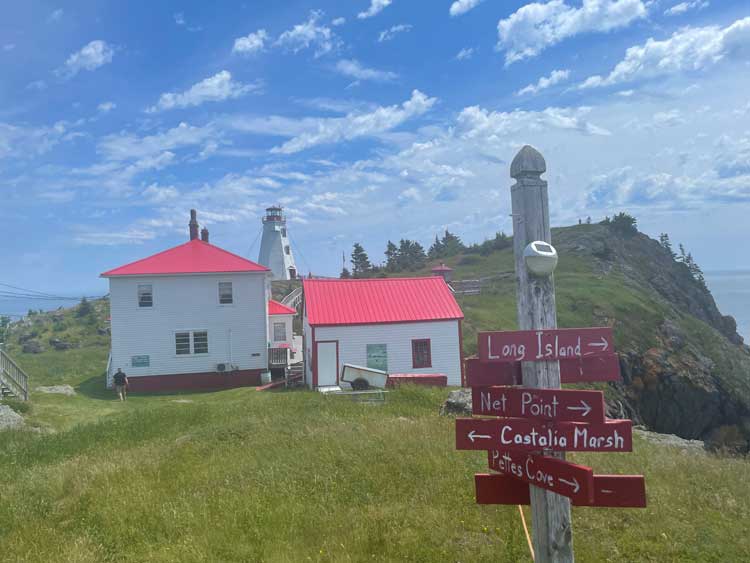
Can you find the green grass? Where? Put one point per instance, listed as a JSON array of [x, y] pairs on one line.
[[296, 476]]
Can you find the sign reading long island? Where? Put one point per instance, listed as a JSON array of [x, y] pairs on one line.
[[544, 345]]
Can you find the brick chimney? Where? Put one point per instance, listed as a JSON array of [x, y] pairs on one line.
[[193, 225], [204, 234]]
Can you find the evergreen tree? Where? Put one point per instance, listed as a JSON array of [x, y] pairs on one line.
[[361, 265], [411, 255], [682, 256], [391, 257], [436, 250], [345, 274], [588, 220], [84, 308], [667, 244], [451, 244], [623, 223]]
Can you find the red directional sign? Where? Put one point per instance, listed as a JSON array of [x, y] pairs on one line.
[[544, 345], [575, 370], [544, 404], [534, 436], [556, 475], [621, 491]]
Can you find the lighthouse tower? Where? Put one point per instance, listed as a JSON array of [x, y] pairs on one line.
[[275, 251]]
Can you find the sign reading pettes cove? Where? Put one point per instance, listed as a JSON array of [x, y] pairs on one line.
[[544, 345]]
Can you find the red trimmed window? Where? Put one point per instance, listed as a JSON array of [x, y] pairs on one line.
[[421, 353]]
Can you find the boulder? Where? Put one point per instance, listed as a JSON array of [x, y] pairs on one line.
[[458, 403], [58, 344], [9, 418], [57, 390], [32, 347]]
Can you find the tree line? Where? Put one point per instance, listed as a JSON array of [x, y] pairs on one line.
[[409, 255], [684, 258]]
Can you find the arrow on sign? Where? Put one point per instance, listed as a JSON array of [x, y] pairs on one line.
[[602, 345], [576, 486], [473, 435], [584, 407]]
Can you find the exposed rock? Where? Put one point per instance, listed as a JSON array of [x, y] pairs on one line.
[[10, 418], [32, 347], [57, 390], [103, 331], [58, 344], [696, 446], [458, 403]]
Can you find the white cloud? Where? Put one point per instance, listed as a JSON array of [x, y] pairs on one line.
[[534, 27], [108, 238], [331, 130], [376, 6], [477, 121], [668, 118], [465, 53], [179, 19], [338, 21], [388, 34], [20, 141], [160, 194], [215, 88], [544, 82], [95, 54], [251, 43], [55, 15], [37, 85], [682, 7], [105, 107], [462, 6], [354, 69], [9, 47], [127, 146], [690, 49], [309, 34]]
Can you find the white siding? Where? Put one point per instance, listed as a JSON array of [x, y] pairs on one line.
[[444, 344], [307, 345], [287, 320], [191, 302]]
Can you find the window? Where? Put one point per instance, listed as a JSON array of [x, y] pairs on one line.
[[200, 342], [286, 249], [283, 231], [377, 356], [145, 295], [140, 361], [183, 341], [279, 332], [225, 293], [421, 354]]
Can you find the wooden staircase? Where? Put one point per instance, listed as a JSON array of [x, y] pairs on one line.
[[13, 380]]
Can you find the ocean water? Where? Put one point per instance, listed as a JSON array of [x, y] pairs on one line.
[[731, 291]]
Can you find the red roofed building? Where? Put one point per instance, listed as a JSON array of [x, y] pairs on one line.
[[193, 316], [398, 325]]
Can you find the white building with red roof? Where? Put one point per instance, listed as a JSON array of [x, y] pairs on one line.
[[193, 316], [397, 325]]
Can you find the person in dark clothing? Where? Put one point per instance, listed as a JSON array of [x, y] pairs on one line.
[[121, 384]]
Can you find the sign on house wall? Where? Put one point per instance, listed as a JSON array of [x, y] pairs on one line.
[[377, 356]]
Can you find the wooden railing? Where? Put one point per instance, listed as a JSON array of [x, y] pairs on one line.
[[293, 299], [13, 377]]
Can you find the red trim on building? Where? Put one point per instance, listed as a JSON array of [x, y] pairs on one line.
[[431, 379], [191, 381], [427, 363], [461, 352]]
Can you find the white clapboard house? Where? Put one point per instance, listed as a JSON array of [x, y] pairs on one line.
[[194, 316], [398, 325]]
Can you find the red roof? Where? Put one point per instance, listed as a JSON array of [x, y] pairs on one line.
[[381, 300], [276, 308], [193, 257]]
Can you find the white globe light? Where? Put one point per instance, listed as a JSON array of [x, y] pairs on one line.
[[540, 258]]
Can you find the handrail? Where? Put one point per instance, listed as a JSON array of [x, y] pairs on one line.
[[293, 299], [14, 376]]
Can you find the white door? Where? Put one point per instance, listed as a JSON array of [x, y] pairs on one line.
[[327, 359]]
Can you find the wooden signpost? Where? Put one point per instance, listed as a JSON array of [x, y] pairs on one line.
[[535, 424]]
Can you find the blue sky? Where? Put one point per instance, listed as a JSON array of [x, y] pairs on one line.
[[366, 119]]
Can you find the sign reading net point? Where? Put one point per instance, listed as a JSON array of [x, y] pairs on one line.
[[527, 425]]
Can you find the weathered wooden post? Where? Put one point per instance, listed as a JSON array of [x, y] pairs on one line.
[[552, 530]]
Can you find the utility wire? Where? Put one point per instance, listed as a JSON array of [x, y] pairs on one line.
[[298, 250], [250, 250]]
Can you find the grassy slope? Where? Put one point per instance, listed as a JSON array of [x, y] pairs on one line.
[[246, 476]]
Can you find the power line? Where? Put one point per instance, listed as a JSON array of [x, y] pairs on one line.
[[298, 250], [252, 245]]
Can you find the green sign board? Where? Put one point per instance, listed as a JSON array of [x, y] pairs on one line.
[[377, 356], [140, 361]]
